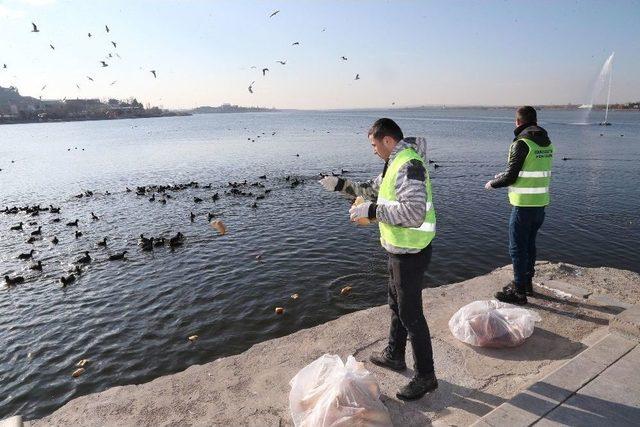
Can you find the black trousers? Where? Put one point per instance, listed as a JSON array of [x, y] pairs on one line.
[[406, 273]]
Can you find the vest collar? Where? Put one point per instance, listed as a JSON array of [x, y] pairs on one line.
[[401, 145]]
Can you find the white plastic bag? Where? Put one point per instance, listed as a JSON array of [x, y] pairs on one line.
[[493, 324], [328, 392]]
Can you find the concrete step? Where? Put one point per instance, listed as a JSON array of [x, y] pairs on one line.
[[611, 399], [627, 324], [15, 421], [534, 403]]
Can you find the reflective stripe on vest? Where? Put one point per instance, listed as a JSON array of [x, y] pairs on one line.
[[405, 237], [531, 188], [534, 174]]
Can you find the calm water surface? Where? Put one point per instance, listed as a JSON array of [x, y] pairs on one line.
[[132, 318]]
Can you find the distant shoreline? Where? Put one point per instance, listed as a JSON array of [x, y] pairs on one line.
[[184, 113], [17, 121]]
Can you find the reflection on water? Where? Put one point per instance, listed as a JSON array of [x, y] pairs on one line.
[[132, 318]]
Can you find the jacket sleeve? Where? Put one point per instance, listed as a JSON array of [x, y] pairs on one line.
[[517, 154], [367, 189], [411, 194]]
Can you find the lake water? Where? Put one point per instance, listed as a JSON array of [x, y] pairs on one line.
[[132, 318]]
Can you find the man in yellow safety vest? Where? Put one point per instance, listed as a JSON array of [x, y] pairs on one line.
[[528, 177], [401, 202]]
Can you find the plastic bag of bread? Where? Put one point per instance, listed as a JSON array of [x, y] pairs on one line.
[[493, 324], [361, 221], [328, 392]]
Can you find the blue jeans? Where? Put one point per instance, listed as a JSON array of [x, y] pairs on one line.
[[523, 228]]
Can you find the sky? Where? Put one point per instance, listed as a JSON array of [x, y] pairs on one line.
[[406, 52]]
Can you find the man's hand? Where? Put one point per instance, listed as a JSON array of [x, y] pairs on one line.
[[488, 186], [360, 211], [329, 183]]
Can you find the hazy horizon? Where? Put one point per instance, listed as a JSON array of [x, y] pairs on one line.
[[407, 54]]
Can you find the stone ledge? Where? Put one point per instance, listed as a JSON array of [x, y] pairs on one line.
[[252, 388]]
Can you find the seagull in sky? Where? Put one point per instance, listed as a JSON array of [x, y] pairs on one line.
[[344, 58], [52, 47], [106, 27], [154, 74], [43, 88], [89, 34], [264, 71], [274, 14], [104, 64], [114, 44], [357, 77], [251, 87], [89, 78], [113, 82], [282, 62], [295, 44], [78, 86], [35, 28]]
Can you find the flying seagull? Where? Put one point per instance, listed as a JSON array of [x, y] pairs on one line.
[[113, 82], [110, 55], [344, 58], [274, 14], [89, 34], [264, 71], [35, 28], [43, 88], [106, 27], [295, 44], [104, 64], [357, 77], [89, 78], [253, 67], [78, 86], [52, 47], [118, 55], [4, 66], [282, 62], [250, 87], [154, 74], [114, 44]]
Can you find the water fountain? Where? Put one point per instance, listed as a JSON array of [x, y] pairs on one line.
[[605, 75]]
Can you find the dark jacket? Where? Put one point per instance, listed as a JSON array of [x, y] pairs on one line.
[[519, 152]]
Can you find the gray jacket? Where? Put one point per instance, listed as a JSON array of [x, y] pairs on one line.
[[410, 191]]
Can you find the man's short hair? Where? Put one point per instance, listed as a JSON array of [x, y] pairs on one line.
[[386, 127], [527, 115]]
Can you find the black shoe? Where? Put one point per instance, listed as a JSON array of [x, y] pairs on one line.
[[418, 387], [512, 286], [511, 296], [383, 359]]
